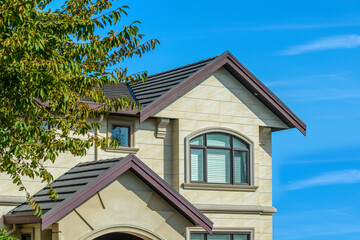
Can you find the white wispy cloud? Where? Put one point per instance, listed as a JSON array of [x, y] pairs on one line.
[[328, 178], [334, 42], [285, 27]]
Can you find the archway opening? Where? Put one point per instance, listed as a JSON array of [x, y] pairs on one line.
[[118, 236]]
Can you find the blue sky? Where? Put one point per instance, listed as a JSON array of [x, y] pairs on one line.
[[308, 54]]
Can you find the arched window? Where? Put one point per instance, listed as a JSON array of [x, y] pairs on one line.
[[219, 158]]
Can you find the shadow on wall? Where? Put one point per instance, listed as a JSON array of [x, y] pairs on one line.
[[155, 202]]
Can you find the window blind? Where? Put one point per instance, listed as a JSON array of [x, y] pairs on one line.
[[197, 236], [240, 167], [218, 237], [197, 164], [218, 166], [240, 237]]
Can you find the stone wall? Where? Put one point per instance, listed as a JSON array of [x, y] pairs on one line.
[[219, 101]]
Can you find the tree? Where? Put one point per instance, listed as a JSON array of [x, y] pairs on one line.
[[51, 61]]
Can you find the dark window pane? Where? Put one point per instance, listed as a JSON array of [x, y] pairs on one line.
[[121, 134], [197, 165], [197, 141], [218, 166], [239, 144], [25, 237], [240, 167], [218, 237], [218, 140], [240, 236], [196, 236]]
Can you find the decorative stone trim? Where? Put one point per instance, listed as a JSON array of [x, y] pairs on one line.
[[264, 135], [161, 127], [240, 209], [11, 200], [125, 122], [132, 229], [122, 150], [250, 230], [221, 130], [219, 187]]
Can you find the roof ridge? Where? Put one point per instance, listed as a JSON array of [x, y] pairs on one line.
[[187, 65]]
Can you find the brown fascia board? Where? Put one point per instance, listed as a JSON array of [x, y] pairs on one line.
[[243, 75], [21, 219], [128, 163]]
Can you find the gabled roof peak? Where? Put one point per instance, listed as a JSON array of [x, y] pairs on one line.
[[158, 92], [85, 179]]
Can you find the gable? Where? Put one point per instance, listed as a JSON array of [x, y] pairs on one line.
[[222, 98], [241, 74], [127, 201], [84, 180]]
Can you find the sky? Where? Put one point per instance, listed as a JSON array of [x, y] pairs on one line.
[[308, 54]]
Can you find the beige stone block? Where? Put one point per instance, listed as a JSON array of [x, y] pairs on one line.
[[226, 119], [264, 236], [188, 125], [207, 106], [212, 81], [211, 197], [199, 116], [265, 172], [183, 104], [150, 151], [209, 124], [219, 94], [265, 199], [238, 198], [265, 185], [266, 226], [158, 167], [149, 124], [197, 92], [144, 136], [231, 109], [190, 195]]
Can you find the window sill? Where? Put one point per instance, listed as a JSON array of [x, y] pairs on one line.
[[219, 187], [122, 150]]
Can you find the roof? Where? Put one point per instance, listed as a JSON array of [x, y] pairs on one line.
[[85, 179], [163, 88], [160, 83], [240, 72]]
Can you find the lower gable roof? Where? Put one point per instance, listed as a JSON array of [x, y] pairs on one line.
[[86, 179]]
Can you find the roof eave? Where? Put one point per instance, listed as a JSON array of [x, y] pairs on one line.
[[21, 219]]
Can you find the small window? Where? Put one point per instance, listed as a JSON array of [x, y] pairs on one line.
[[121, 134], [123, 131], [219, 158], [25, 236], [220, 236]]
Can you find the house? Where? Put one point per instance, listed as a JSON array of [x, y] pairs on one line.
[[194, 164]]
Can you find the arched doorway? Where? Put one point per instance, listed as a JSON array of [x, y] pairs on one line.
[[129, 232], [118, 236]]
